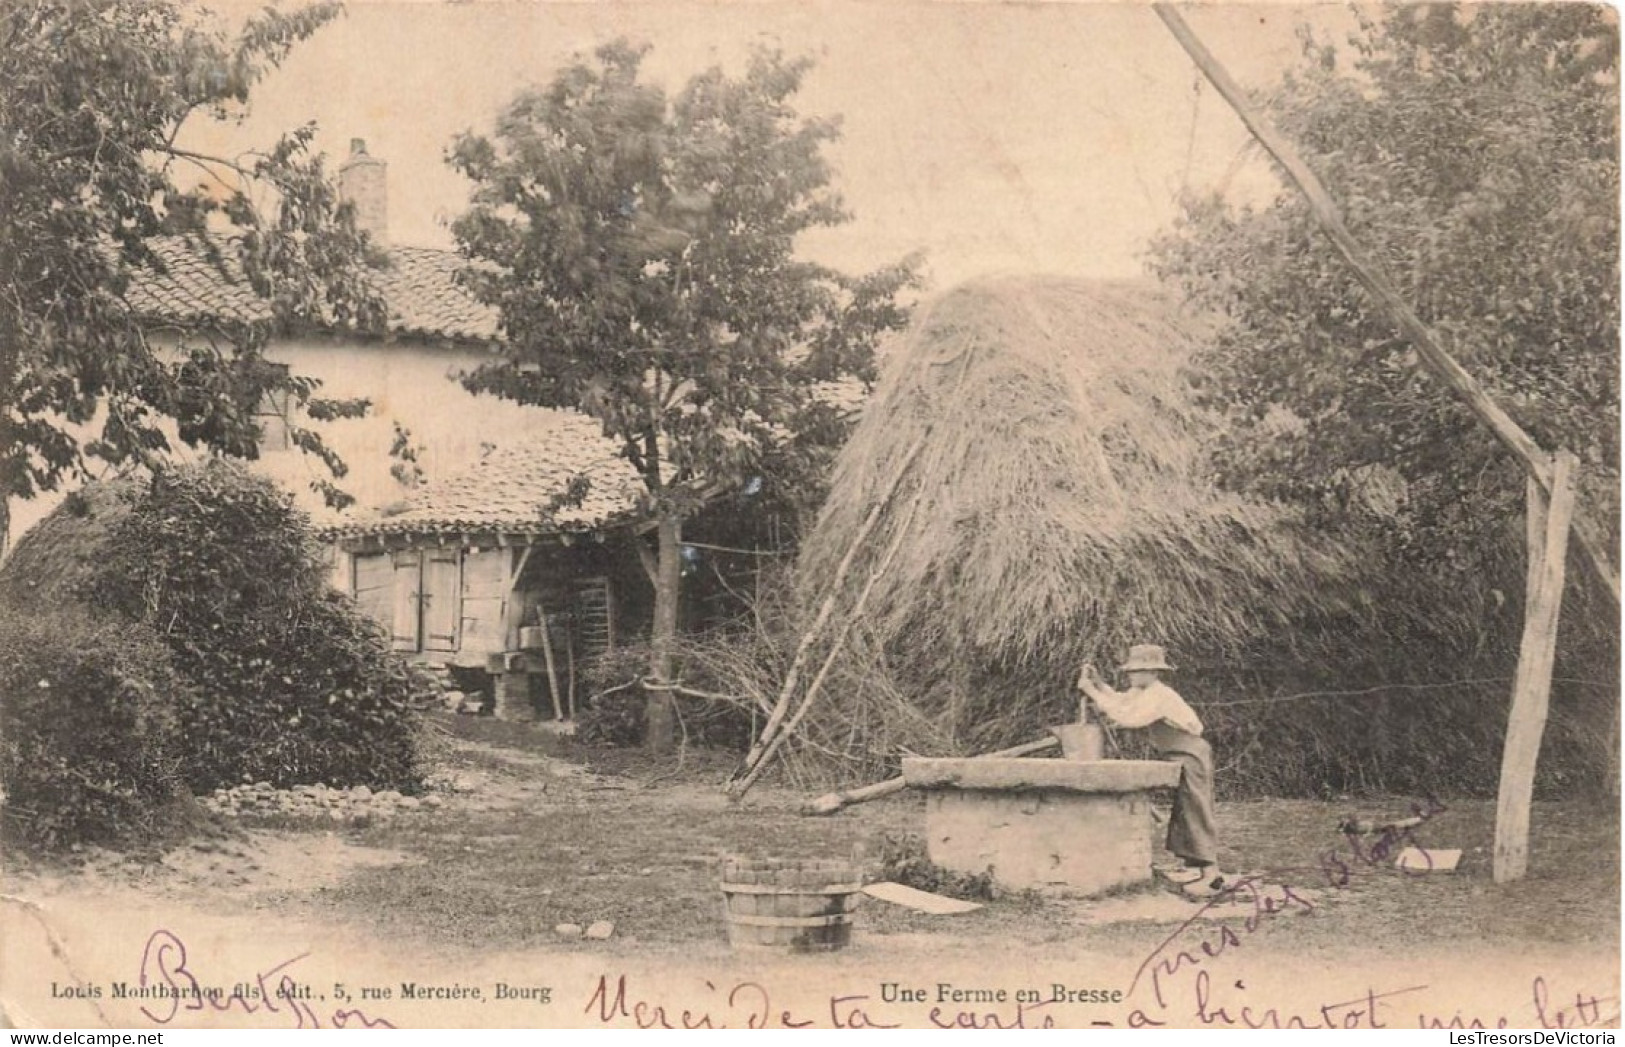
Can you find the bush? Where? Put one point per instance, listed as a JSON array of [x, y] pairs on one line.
[[290, 683], [612, 712], [337, 712], [287, 681], [90, 749]]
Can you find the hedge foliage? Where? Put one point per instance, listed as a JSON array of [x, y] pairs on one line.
[[90, 750], [292, 683], [205, 647]]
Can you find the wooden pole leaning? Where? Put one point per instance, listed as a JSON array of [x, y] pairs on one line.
[[740, 787], [550, 661], [781, 706], [829, 803]]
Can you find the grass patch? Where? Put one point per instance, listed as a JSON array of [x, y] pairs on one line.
[[648, 862]]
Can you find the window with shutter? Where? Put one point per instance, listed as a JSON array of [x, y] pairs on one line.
[[273, 415]]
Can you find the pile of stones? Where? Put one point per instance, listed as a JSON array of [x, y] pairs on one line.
[[319, 802]]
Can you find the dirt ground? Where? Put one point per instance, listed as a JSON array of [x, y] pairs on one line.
[[451, 916]]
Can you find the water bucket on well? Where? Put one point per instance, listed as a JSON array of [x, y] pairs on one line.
[[1082, 741], [788, 904]]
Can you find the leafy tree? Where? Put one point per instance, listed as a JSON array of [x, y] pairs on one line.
[[1475, 152], [641, 251], [93, 96]]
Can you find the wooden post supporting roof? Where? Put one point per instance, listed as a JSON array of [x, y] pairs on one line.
[[1527, 719], [511, 611], [1382, 290], [1548, 526]]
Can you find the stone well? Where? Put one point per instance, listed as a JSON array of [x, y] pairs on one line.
[[1073, 827]]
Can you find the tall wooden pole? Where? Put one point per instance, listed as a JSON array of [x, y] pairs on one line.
[[1383, 292], [1548, 527], [570, 668]]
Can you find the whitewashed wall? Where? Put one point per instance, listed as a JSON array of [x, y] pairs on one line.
[[408, 383]]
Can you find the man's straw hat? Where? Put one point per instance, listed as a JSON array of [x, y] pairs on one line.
[[1146, 656]]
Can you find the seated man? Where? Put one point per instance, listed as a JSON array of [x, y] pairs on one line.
[[1174, 730]]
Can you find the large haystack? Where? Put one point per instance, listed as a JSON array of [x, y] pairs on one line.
[[1055, 510]]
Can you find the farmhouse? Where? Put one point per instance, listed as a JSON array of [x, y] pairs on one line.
[[435, 330], [483, 538], [509, 543]]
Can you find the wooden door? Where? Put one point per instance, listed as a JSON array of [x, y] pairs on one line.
[[407, 628], [442, 599]]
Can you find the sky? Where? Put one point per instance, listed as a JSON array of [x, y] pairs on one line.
[[994, 137]]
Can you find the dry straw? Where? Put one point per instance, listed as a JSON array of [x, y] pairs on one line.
[[57, 557], [1063, 506]]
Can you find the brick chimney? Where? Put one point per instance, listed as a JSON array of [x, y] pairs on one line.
[[363, 181]]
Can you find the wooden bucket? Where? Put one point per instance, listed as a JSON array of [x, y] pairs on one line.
[[790, 905], [1081, 741]]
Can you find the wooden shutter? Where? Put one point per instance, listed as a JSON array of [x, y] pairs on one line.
[[442, 599], [408, 591], [485, 592], [373, 588]]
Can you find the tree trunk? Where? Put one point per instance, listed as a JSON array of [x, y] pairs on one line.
[[660, 713]]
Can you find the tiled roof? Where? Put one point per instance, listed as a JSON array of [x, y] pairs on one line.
[[418, 288], [512, 486], [198, 284], [424, 297]]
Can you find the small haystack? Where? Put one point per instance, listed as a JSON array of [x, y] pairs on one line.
[[56, 557], [1056, 510]]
